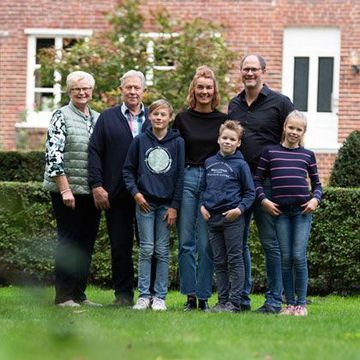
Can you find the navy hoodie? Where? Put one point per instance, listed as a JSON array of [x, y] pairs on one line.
[[155, 168], [227, 183]]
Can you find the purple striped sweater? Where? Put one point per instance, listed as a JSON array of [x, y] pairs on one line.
[[288, 170]]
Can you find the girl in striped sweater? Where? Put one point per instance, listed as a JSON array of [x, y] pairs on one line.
[[289, 165]]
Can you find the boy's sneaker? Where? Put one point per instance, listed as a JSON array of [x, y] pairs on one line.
[[219, 307], [142, 303], [158, 304], [288, 310], [300, 310]]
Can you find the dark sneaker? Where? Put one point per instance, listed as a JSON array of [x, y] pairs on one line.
[[203, 305], [230, 307], [190, 305], [245, 307], [219, 307], [122, 301], [268, 309]]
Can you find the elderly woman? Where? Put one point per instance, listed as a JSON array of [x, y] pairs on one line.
[[66, 177], [199, 127]]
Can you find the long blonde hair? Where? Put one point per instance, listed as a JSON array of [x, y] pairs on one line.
[[298, 115], [205, 72]]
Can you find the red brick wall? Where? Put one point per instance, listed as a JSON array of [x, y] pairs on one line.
[[252, 26]]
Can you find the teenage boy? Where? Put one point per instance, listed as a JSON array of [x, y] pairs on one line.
[[153, 174], [228, 193]]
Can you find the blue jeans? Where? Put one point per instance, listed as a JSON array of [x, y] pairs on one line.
[[227, 245], [270, 244], [154, 239], [293, 231], [195, 256], [245, 293]]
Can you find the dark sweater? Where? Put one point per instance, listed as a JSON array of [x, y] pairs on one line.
[[155, 168], [227, 183], [108, 148], [200, 132], [262, 121], [288, 170]]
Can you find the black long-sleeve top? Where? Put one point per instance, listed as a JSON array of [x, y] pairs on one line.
[[200, 132]]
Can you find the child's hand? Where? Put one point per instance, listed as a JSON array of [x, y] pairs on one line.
[[310, 206], [170, 216], [271, 207], [232, 214], [205, 214], [141, 201]]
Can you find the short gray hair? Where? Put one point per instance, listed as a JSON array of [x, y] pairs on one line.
[[133, 73], [79, 75]]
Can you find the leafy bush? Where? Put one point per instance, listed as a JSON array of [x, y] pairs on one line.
[[22, 166], [346, 170], [28, 239], [185, 45]]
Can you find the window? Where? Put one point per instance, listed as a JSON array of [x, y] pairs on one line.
[[156, 56], [42, 97], [311, 67]]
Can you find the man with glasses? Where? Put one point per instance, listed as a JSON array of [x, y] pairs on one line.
[[262, 112], [108, 148]]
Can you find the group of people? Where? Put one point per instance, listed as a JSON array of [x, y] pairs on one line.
[[210, 173]]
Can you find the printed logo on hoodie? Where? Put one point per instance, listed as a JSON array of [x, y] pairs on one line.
[[158, 160]]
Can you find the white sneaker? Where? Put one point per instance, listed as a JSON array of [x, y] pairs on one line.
[[68, 303], [142, 303], [158, 304], [90, 303]]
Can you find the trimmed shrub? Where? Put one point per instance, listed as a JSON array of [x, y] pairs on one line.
[[28, 239], [346, 170], [22, 166]]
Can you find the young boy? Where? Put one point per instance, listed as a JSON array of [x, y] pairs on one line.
[[228, 192], [153, 174]]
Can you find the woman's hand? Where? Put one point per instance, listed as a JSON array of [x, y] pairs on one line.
[[68, 199], [170, 216], [271, 207], [141, 201]]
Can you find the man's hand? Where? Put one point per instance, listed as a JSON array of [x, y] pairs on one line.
[[205, 213], [101, 198], [271, 207], [141, 201], [310, 206], [170, 216], [232, 214]]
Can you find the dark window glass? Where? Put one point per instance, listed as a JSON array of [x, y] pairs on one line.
[[43, 44], [301, 83], [325, 84]]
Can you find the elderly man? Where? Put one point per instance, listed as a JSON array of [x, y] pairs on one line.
[[262, 112], [109, 144]]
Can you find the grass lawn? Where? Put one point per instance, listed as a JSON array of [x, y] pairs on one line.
[[31, 327]]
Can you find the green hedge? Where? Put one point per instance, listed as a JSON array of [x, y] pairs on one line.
[[28, 238], [22, 166]]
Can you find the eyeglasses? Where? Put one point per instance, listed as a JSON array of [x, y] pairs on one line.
[[78, 90], [252, 69]]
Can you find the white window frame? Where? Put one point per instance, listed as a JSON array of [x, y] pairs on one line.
[[40, 119], [314, 42], [151, 36]]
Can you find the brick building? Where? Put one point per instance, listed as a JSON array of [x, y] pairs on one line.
[[312, 48]]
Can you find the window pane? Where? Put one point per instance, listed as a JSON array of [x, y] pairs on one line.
[[325, 83], [44, 101], [301, 83], [43, 44]]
